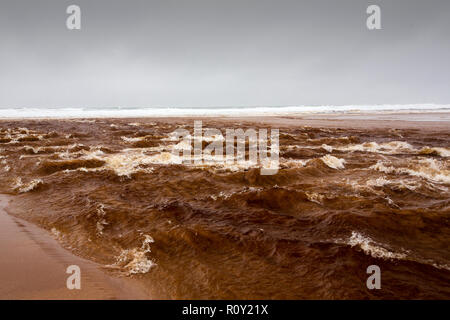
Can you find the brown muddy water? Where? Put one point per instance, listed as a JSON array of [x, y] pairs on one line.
[[344, 198]]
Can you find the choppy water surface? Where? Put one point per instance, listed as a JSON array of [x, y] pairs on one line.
[[343, 199]]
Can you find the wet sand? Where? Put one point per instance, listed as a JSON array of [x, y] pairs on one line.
[[386, 116], [423, 121], [33, 266]]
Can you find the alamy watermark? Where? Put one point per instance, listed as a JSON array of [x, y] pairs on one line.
[[73, 21], [373, 22], [74, 280], [374, 281], [247, 148]]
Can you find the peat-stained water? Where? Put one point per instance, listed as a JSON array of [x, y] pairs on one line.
[[343, 199]]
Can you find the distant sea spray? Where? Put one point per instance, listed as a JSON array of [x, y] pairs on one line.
[[124, 112]]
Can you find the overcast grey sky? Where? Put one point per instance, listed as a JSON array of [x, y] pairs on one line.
[[223, 53]]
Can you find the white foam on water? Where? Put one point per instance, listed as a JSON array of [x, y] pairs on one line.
[[399, 183], [135, 260], [381, 251], [327, 148], [26, 187], [294, 163], [128, 139], [391, 147], [443, 152], [333, 162], [4, 162], [394, 147], [226, 195], [315, 197], [214, 138], [117, 112], [173, 136], [56, 233], [124, 164], [182, 145], [429, 169], [379, 182], [372, 248], [101, 223], [130, 161]]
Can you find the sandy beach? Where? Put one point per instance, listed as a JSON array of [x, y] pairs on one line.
[[109, 196]]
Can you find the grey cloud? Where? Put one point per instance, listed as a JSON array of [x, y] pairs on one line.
[[223, 53]]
